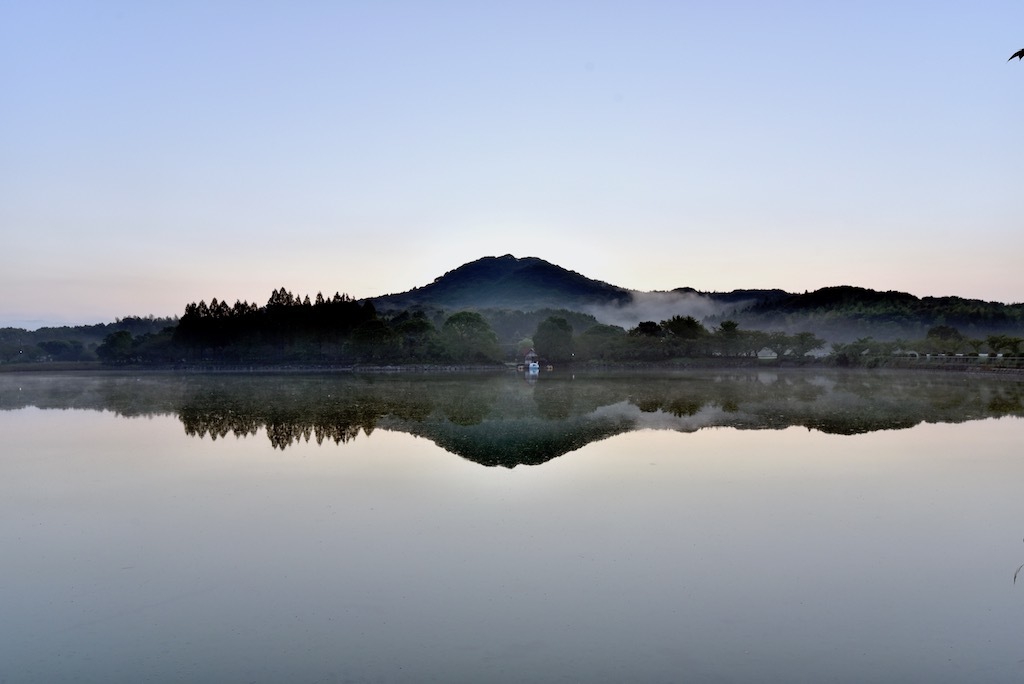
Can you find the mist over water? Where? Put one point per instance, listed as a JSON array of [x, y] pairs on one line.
[[660, 306]]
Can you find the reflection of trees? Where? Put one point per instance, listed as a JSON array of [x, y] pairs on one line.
[[554, 400], [502, 420], [1007, 402], [468, 407], [321, 411], [770, 400], [216, 423], [283, 427]]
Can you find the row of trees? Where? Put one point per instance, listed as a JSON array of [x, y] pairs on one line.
[[940, 340], [284, 319], [677, 337], [70, 343], [291, 329], [340, 331]]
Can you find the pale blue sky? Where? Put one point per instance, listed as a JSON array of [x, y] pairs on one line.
[[153, 154]]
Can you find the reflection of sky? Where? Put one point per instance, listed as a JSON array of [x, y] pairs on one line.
[[134, 551]]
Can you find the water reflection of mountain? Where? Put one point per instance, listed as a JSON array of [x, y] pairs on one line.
[[503, 420]]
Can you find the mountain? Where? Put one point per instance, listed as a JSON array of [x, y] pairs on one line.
[[531, 284], [516, 294], [839, 314], [505, 282]]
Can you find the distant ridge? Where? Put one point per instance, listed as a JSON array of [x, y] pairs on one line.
[[845, 312], [499, 286], [507, 282], [838, 313]]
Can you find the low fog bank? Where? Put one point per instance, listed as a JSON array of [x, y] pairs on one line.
[[627, 412], [661, 306], [712, 311]]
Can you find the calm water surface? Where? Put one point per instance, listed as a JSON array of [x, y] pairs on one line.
[[795, 527]]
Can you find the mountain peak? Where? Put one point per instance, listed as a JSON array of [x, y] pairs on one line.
[[526, 283]]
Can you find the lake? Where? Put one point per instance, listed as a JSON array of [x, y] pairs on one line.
[[734, 526]]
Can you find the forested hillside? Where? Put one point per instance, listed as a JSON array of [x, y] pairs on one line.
[[71, 343], [845, 313]]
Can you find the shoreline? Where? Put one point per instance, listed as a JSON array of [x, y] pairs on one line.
[[965, 365]]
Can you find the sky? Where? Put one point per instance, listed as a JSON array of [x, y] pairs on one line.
[[154, 154]]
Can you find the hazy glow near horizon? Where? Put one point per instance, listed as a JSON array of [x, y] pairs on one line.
[[156, 154]]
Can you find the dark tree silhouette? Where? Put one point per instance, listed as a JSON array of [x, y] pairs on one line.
[[553, 339]]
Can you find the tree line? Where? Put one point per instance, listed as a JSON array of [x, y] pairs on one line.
[[339, 330], [71, 343], [679, 337], [291, 329], [342, 331], [939, 341]]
